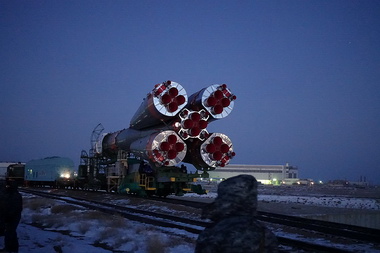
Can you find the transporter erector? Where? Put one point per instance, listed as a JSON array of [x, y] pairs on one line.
[[169, 128]]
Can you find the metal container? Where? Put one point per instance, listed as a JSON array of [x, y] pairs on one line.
[[49, 169]]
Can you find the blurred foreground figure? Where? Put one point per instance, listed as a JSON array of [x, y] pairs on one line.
[[2, 207], [12, 216], [235, 228]]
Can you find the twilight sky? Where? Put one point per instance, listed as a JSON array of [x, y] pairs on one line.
[[306, 75]]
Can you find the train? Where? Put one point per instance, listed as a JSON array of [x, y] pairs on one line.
[[168, 130], [59, 172], [16, 172], [52, 171], [133, 175]]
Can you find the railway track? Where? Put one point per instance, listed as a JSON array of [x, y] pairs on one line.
[[330, 228], [143, 216], [352, 237]]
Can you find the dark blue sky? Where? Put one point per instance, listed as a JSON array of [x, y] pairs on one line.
[[306, 75]]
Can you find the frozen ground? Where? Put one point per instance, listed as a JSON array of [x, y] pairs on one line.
[[53, 226], [338, 202], [328, 201]]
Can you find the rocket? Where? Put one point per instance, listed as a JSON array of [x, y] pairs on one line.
[[170, 127]]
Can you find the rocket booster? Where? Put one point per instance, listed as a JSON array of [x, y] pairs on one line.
[[169, 128], [216, 99], [161, 104], [215, 151], [163, 148]]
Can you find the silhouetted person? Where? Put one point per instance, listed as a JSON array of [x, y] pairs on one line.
[[2, 207], [12, 216], [235, 228], [183, 168]]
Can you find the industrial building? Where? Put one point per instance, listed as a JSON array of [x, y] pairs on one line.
[[265, 174]]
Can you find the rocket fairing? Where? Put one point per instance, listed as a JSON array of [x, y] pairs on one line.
[[169, 128]]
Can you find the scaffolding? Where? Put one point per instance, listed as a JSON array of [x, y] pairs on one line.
[[116, 172]]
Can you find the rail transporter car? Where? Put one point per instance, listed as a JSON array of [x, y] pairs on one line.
[[51, 171], [131, 175]]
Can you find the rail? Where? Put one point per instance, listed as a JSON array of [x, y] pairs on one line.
[[353, 236]]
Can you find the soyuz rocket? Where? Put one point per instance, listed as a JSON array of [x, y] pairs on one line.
[[170, 127]]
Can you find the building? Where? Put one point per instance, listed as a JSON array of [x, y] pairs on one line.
[[265, 174]]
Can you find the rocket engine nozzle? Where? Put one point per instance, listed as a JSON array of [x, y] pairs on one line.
[[170, 95], [163, 148], [161, 104], [193, 124], [215, 151], [216, 99]]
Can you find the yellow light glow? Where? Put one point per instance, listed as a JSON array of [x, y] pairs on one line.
[[65, 175]]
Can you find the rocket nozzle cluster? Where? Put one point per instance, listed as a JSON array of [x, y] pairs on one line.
[[217, 150], [193, 124], [168, 149], [169, 96], [163, 103], [169, 127], [217, 100]]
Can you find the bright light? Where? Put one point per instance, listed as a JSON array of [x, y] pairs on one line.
[[65, 175]]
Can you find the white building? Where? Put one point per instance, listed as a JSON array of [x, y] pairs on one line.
[[266, 174]]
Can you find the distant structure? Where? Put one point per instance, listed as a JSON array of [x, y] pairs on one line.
[[362, 183], [265, 174]]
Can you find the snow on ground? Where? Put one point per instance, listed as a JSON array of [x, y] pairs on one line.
[[339, 202], [50, 226], [333, 201]]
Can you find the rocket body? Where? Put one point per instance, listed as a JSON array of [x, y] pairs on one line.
[[169, 128]]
